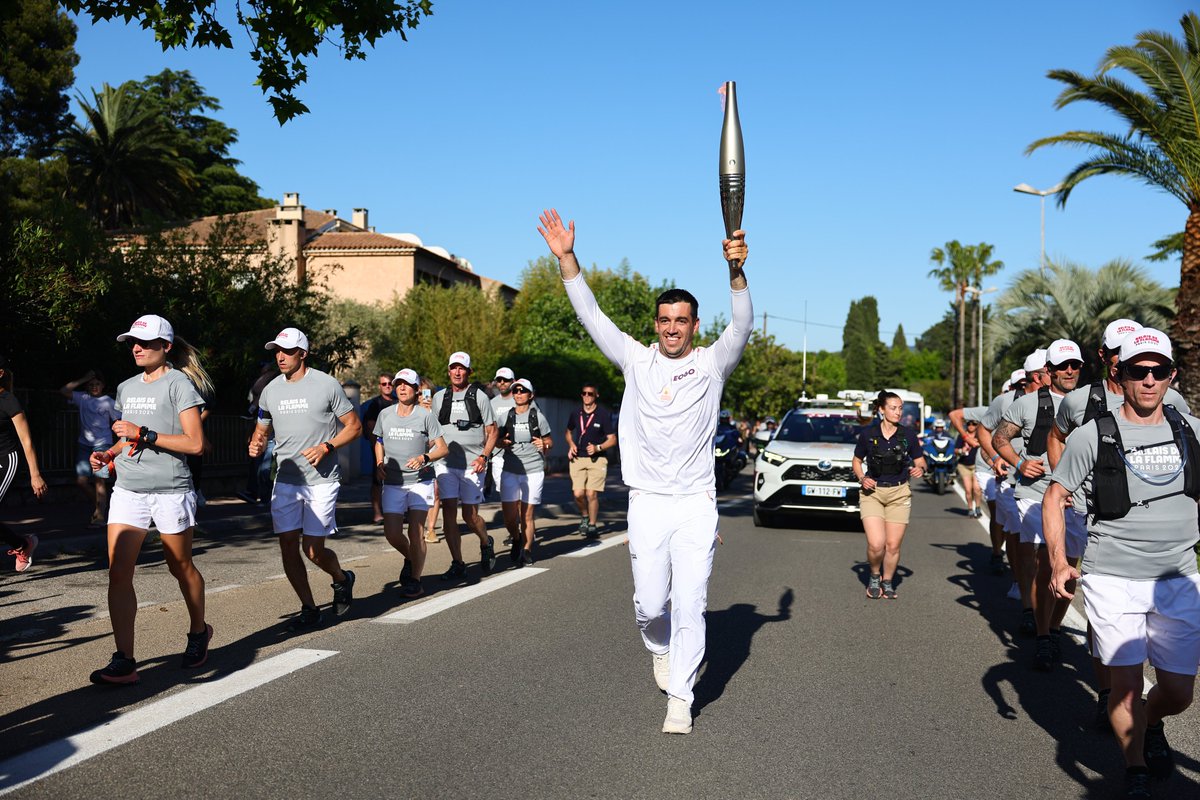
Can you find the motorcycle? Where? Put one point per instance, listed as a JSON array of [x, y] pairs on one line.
[[729, 456], [941, 458]]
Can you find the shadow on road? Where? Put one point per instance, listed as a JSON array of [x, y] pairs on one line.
[[727, 645]]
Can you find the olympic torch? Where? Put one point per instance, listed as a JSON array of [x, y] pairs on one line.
[[732, 170]]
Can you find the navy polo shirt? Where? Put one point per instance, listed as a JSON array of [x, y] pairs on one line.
[[903, 433]]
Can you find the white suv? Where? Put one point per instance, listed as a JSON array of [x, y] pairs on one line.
[[806, 468]]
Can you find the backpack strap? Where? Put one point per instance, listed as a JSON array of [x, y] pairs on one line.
[[1109, 498], [1097, 402], [1035, 445]]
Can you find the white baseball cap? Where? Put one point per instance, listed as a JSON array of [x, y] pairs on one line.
[[1005, 387], [1035, 361], [523, 382], [1117, 330], [1144, 341], [408, 376], [459, 358], [504, 372], [1017, 376], [1061, 351], [149, 327], [287, 339]]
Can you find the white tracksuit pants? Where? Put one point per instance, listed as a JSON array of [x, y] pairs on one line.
[[672, 539]]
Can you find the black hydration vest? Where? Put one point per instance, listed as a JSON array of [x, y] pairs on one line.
[[1035, 444], [886, 461], [1109, 498], [474, 416], [1097, 402], [535, 428]]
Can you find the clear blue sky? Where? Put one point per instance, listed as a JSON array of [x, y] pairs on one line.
[[874, 133]]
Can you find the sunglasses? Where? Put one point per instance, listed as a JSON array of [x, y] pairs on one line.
[[588, 394], [520, 390], [1138, 372], [1073, 364]]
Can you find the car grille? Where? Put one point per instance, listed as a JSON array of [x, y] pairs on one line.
[[809, 472]]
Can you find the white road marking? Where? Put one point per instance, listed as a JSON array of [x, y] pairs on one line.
[[589, 549], [448, 600], [219, 589], [63, 754], [1073, 617]]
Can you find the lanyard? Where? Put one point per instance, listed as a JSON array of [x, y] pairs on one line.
[[585, 426]]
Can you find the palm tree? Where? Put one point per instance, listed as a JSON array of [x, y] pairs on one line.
[[959, 267], [1161, 148], [122, 164], [1070, 301]]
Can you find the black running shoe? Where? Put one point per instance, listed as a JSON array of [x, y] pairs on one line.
[[487, 556], [1043, 659], [308, 619], [1027, 627], [343, 593], [889, 591], [1137, 785], [526, 558], [593, 532], [121, 671], [412, 590], [406, 572], [196, 652], [997, 563], [457, 571], [514, 555], [1159, 758], [874, 588], [1103, 722]]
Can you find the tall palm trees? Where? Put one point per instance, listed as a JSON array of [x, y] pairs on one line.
[[960, 267], [1161, 148], [122, 164]]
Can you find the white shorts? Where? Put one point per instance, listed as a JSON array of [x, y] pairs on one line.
[[525, 487], [462, 485], [987, 484], [1006, 508], [170, 513], [1135, 620], [310, 509], [1031, 527], [413, 497]]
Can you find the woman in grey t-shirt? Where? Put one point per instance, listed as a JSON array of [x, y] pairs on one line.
[[159, 427], [407, 440], [525, 437]]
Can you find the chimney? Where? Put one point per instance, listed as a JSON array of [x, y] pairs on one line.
[[331, 212], [286, 234], [360, 218], [291, 208]]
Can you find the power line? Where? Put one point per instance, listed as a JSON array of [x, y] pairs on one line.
[[767, 315]]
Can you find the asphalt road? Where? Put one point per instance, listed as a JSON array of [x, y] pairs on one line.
[[541, 688]]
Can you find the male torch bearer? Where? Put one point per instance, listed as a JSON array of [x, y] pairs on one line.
[[732, 169]]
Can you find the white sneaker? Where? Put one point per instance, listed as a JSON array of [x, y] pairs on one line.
[[1014, 592], [679, 717], [662, 670]]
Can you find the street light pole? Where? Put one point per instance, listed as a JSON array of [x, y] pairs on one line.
[[979, 293], [1025, 188]]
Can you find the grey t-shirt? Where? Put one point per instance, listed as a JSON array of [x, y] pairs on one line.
[[157, 406], [1023, 413], [523, 457], [1152, 541], [500, 403], [405, 438], [991, 421], [1074, 406], [465, 444], [304, 413]]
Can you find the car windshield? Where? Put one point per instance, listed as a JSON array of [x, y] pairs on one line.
[[911, 415], [835, 429]]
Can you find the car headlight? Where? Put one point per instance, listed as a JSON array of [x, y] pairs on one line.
[[773, 458]]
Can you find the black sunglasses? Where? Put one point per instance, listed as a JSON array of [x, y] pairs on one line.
[[588, 394], [520, 390], [1138, 372], [1073, 364]]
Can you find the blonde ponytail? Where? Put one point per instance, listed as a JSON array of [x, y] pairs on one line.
[[186, 358]]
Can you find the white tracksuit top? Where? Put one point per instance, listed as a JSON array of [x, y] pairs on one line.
[[670, 406]]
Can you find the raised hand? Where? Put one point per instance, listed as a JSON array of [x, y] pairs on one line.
[[735, 248], [560, 239]]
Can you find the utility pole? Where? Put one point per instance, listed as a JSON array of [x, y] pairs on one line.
[[764, 323]]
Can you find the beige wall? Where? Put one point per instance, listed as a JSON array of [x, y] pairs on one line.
[[364, 277]]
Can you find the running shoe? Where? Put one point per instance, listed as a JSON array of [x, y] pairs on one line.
[[1056, 646], [1103, 722], [121, 671], [662, 670], [1014, 592], [889, 591], [1137, 785], [487, 556], [583, 526], [526, 558], [1043, 659], [24, 555], [874, 590], [593, 532], [1027, 627], [457, 571], [406, 572], [997, 563], [343, 594], [412, 590], [514, 555], [679, 717], [1159, 758], [308, 619], [196, 652]]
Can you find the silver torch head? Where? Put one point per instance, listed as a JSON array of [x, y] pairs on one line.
[[732, 169]]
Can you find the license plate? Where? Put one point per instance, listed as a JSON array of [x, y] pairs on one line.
[[823, 491]]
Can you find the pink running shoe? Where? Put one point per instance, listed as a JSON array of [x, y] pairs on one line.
[[25, 554]]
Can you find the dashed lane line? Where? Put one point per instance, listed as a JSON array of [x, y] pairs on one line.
[[592, 549]]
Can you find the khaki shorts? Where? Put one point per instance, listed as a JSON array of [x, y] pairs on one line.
[[892, 503], [588, 473], [965, 474]]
